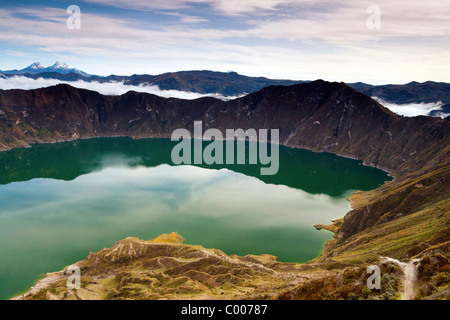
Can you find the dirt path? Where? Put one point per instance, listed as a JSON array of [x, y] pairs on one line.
[[410, 276]]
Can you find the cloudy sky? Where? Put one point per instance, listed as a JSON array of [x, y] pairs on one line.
[[295, 39]]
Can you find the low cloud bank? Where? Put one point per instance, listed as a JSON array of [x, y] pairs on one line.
[[108, 88], [414, 109], [119, 88]]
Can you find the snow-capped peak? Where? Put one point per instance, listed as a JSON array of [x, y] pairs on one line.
[[37, 65], [60, 65]]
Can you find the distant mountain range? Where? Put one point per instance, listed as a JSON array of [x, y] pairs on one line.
[[204, 82], [413, 92], [234, 84], [38, 68]]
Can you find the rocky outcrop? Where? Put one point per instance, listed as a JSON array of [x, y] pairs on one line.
[[164, 268]]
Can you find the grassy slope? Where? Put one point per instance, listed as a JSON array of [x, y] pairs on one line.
[[419, 210]]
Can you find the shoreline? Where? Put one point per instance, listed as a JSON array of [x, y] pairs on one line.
[[390, 172]]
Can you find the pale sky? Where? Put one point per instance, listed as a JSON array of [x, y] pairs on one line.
[[284, 39]]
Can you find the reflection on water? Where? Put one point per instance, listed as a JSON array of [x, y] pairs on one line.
[[59, 202], [318, 173]]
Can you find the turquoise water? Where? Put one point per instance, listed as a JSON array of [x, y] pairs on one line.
[[58, 202]]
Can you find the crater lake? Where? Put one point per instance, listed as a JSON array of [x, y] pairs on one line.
[[58, 202]]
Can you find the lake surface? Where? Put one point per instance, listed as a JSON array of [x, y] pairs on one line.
[[58, 202]]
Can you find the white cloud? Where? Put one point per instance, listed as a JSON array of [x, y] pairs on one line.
[[192, 19], [228, 7], [320, 19], [315, 39], [413, 109], [147, 4], [237, 7], [345, 23], [109, 88]]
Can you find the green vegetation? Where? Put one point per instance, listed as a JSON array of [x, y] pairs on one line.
[[434, 277], [420, 211]]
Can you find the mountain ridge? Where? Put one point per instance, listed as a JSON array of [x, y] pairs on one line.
[[330, 118], [232, 84]]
